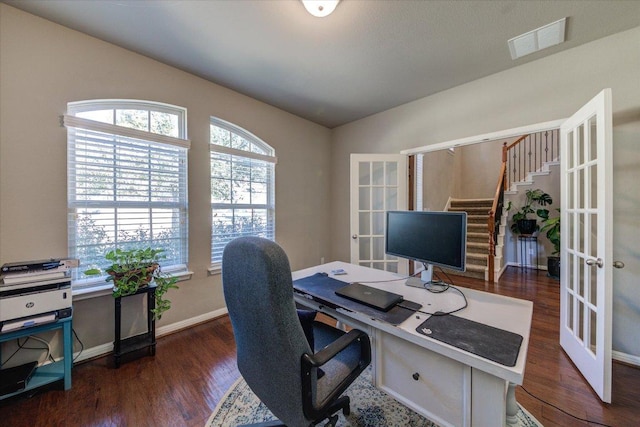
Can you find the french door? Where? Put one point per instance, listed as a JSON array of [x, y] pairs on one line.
[[378, 184], [586, 239]]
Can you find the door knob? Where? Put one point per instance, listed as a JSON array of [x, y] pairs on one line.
[[597, 262], [618, 264], [354, 237]]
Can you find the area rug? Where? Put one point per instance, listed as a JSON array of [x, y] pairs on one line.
[[370, 407]]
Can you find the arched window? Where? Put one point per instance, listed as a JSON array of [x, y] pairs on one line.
[[242, 186], [127, 180]]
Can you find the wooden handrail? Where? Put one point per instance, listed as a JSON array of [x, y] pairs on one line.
[[510, 146]]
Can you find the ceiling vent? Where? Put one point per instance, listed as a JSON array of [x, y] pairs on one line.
[[538, 39]]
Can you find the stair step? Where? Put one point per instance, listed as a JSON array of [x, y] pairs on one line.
[[476, 256], [478, 210], [477, 219], [475, 272], [478, 247], [477, 227], [471, 202], [478, 237]]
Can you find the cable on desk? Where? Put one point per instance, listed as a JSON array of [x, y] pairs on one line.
[[389, 280], [440, 287]]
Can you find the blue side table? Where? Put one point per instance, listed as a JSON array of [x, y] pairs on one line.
[[52, 372]]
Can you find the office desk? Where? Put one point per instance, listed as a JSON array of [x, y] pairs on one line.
[[447, 385]]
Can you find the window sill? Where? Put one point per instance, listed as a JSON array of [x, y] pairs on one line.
[[102, 288], [215, 269]]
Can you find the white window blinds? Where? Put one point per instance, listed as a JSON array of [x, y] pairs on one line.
[[127, 188], [242, 186]]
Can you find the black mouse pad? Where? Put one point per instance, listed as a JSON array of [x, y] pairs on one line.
[[483, 340]]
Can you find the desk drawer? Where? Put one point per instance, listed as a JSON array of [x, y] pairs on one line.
[[433, 385]]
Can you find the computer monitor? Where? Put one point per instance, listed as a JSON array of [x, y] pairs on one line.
[[432, 238]]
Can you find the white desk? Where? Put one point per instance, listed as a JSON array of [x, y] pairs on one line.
[[449, 386]]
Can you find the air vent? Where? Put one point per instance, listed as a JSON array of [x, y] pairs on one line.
[[538, 39]]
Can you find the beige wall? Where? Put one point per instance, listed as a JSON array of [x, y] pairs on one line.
[[548, 89], [43, 66], [468, 172]]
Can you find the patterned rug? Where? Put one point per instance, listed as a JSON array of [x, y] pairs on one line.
[[370, 407]]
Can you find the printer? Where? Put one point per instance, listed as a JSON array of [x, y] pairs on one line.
[[35, 292]]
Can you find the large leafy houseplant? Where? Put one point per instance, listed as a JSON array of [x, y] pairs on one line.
[[133, 269], [551, 226], [521, 222]]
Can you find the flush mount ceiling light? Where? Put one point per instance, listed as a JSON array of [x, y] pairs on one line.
[[320, 8], [538, 39]]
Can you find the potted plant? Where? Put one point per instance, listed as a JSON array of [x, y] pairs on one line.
[[521, 223], [133, 269], [552, 228]]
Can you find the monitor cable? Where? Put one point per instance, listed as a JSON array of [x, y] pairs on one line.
[[437, 287]]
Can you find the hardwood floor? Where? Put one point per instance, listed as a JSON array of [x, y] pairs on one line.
[[192, 369]]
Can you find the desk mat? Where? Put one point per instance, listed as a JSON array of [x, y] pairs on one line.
[[483, 340], [322, 288]]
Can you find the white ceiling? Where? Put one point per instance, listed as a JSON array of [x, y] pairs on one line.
[[367, 57]]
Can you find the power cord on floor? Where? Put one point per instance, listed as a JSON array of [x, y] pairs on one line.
[[562, 410], [79, 342]]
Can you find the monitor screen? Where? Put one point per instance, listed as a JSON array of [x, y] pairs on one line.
[[437, 238]]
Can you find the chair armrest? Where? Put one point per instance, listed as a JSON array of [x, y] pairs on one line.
[[310, 361], [330, 351]]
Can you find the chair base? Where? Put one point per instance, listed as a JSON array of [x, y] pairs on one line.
[[341, 404], [274, 423]]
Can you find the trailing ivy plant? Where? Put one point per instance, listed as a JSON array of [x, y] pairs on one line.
[[133, 269]]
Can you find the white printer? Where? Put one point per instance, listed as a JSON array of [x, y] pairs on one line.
[[35, 292]]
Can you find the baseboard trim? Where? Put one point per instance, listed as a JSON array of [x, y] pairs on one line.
[[175, 327], [629, 359], [103, 349]]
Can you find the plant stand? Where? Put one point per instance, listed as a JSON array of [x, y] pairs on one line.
[[146, 340], [526, 241]]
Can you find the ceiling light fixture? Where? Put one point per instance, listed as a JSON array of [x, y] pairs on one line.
[[538, 39], [320, 8]]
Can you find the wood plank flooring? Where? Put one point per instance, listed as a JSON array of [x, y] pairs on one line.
[[192, 369]]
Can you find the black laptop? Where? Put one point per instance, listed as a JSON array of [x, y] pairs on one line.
[[370, 296]]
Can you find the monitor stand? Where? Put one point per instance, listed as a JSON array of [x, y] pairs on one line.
[[424, 280]]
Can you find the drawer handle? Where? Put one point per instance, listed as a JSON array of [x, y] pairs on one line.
[[416, 376]]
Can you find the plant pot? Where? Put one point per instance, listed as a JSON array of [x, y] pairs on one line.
[[527, 226], [553, 267], [142, 276]]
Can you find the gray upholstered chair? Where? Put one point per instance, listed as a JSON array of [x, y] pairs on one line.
[[274, 356]]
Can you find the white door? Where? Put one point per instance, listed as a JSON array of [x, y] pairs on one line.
[[378, 184], [586, 239]]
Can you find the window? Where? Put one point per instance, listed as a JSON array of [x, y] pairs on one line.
[[127, 180], [242, 186]]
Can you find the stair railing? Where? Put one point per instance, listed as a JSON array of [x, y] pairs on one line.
[[529, 153], [495, 214], [525, 155]]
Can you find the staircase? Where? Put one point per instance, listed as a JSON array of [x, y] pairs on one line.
[[477, 235]]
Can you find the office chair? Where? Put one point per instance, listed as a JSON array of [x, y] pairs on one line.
[[273, 354]]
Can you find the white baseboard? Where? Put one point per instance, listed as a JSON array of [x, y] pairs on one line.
[[102, 349], [626, 358], [174, 327]]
